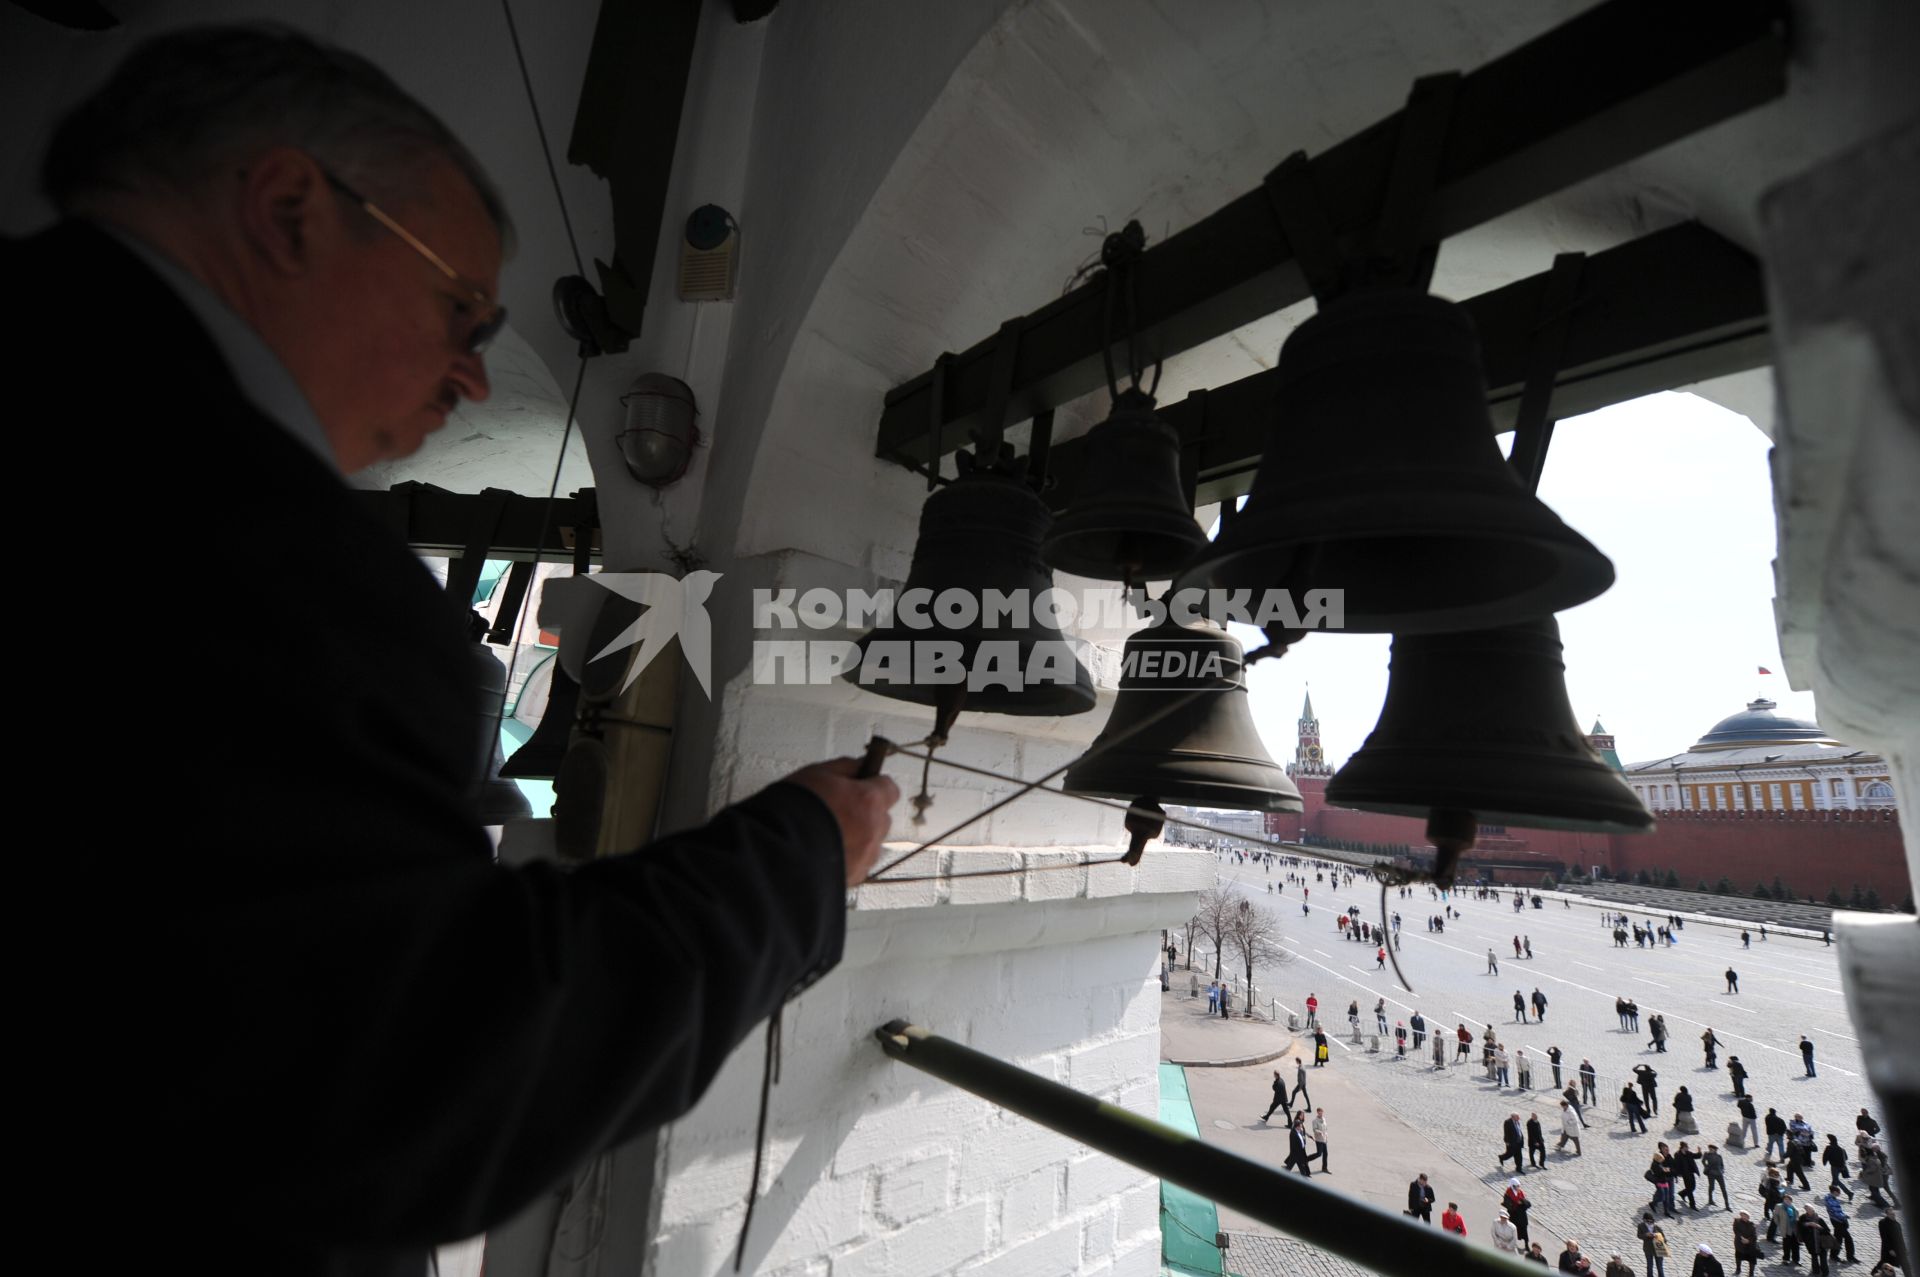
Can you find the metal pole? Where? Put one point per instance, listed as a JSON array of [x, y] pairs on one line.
[[1352, 1229]]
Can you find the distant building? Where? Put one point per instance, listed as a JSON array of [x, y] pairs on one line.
[[1759, 798], [1758, 760]]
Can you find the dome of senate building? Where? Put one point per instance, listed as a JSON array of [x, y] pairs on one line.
[[1757, 724]]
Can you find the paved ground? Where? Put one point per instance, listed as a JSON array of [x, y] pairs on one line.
[[1398, 1117]]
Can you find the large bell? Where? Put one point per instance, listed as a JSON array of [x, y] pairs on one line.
[[1206, 752], [500, 799], [1382, 479], [1128, 518], [540, 757], [980, 541], [1480, 722]]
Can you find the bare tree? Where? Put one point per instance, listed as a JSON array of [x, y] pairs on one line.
[[1252, 930], [1213, 916]]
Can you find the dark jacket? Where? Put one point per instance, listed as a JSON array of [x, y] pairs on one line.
[[357, 1031], [1419, 1197]]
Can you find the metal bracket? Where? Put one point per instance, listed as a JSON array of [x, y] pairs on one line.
[[1534, 432], [1396, 254], [1303, 219], [989, 434], [463, 573], [1039, 448]]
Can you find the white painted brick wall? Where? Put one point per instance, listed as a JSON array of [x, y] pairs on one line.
[[876, 1168]]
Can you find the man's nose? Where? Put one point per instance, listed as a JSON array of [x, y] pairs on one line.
[[469, 376]]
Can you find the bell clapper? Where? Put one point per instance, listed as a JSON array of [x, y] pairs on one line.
[[1452, 831], [953, 698], [1145, 820]]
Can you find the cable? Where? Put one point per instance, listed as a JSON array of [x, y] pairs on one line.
[[513, 31]]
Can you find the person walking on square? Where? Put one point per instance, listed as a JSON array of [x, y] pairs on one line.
[[1893, 1247], [1714, 1167], [1493, 963], [1517, 1205], [1506, 1238], [1320, 1139], [1746, 1245], [1653, 1244], [1776, 1134], [1501, 1062], [1513, 1141], [1299, 1098], [1439, 1052], [1835, 1159], [1635, 1110], [1618, 1267], [1738, 1072], [1516, 947], [1319, 1048], [1817, 1241], [1466, 1043], [1519, 1006], [1711, 1045], [1572, 1097], [1226, 1003], [1786, 1218], [1658, 1027], [1589, 1083], [1771, 1189], [1420, 1199], [1806, 1055], [1297, 1156], [1649, 1094], [1451, 1220], [1733, 977], [1380, 1016], [1528, 941], [1400, 1039], [1746, 941], [1570, 1127], [1553, 1058], [1842, 1227], [1380, 959], [1213, 996], [1749, 1122], [1313, 1011], [1660, 1174], [1539, 1005], [1419, 1026], [1866, 1123], [1279, 1098], [1536, 1142], [1633, 1015], [1705, 1265], [1524, 1067], [1686, 1165]]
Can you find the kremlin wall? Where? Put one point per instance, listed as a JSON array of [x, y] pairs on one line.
[[1759, 797]]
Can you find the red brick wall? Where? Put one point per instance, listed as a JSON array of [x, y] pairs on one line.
[[1809, 851]]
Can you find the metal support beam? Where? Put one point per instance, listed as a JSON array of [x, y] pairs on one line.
[[437, 522], [1581, 99], [1348, 1227], [1672, 308]]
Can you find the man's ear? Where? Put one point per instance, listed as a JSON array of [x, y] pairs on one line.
[[285, 204]]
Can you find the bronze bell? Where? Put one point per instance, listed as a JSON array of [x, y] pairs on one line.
[[1382, 479], [540, 757], [1128, 518], [1480, 723], [500, 800], [1206, 752], [979, 534]]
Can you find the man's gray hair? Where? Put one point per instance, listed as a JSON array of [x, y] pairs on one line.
[[184, 105]]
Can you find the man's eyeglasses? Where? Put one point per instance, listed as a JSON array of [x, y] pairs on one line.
[[493, 316]]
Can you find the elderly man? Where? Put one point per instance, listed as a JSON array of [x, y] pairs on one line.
[[340, 1033]]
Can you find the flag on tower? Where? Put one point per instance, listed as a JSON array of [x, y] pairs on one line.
[[1765, 670]]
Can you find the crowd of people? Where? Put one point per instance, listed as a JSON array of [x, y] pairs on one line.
[[1785, 1209]]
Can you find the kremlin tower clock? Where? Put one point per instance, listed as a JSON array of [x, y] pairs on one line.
[[1308, 758]]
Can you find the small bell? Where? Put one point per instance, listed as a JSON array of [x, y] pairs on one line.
[[979, 544], [1128, 518], [1204, 750]]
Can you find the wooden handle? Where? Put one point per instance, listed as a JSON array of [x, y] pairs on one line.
[[877, 750]]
